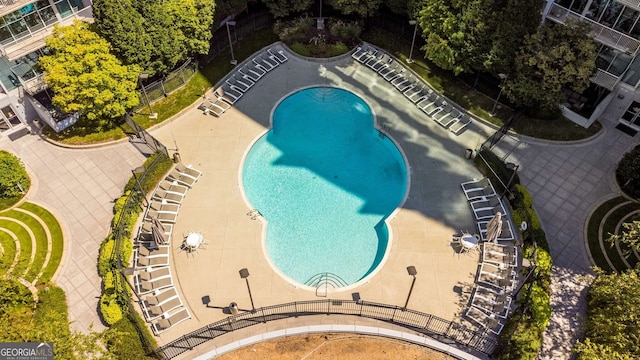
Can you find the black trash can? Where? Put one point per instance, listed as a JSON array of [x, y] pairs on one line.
[[468, 153], [233, 307], [176, 157]]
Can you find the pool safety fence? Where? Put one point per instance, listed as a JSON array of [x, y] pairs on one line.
[[445, 331]]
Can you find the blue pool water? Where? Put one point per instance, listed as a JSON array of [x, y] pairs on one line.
[[325, 181]]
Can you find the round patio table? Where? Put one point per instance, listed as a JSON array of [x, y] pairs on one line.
[[193, 241]]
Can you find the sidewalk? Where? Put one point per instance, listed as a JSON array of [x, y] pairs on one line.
[[566, 182], [78, 187]]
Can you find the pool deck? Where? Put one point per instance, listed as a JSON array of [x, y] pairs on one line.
[[421, 229]]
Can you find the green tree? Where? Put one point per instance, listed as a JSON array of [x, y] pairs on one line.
[[155, 35], [628, 173], [362, 8], [85, 77], [122, 25], [458, 33], [12, 173], [512, 25], [285, 8], [630, 236], [557, 56], [588, 350], [613, 315]]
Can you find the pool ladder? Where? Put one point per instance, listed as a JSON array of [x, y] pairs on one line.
[[322, 281]]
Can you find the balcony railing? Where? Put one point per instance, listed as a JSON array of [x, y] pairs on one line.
[[8, 6], [601, 33], [605, 79], [630, 3]]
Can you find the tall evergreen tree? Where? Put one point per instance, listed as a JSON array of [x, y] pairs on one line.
[[362, 8]]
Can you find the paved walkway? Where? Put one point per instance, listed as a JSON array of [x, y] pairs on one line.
[[78, 187], [567, 182]]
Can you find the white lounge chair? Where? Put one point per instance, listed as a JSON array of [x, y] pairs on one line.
[[495, 302], [172, 197], [267, 64], [172, 187], [497, 276], [458, 126], [181, 178], [447, 116], [478, 189], [160, 297], [149, 277], [163, 217], [278, 55], [500, 254], [394, 73], [486, 321], [250, 74], [228, 95], [427, 102], [152, 312], [359, 53], [163, 206], [147, 229], [170, 320], [155, 252], [188, 170], [146, 287], [376, 63]]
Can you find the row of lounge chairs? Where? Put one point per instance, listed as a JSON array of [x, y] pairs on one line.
[[486, 204], [496, 280], [243, 79], [152, 280], [426, 99]]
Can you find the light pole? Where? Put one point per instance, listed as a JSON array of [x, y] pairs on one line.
[[413, 41], [233, 58], [244, 274], [503, 77], [413, 272], [514, 170]]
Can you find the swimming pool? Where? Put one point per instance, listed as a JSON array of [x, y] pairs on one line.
[[325, 180]]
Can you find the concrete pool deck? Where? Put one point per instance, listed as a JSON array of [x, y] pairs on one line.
[[422, 229]]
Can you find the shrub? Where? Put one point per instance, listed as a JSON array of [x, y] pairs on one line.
[[346, 30], [293, 30], [124, 341], [300, 49], [337, 49], [106, 262], [12, 173], [109, 308], [628, 173]]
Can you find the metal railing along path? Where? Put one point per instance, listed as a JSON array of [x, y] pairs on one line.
[[440, 329]]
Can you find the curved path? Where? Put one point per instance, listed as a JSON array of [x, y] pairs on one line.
[[567, 181], [78, 186]]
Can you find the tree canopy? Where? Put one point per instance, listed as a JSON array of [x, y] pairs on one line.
[[476, 35], [85, 77], [556, 57], [362, 8], [155, 35], [629, 236], [285, 8], [613, 318], [12, 173]]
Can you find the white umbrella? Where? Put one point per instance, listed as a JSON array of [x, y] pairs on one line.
[[494, 227]]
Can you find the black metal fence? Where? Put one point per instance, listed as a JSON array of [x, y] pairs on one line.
[[440, 329], [145, 137], [243, 27], [161, 88]]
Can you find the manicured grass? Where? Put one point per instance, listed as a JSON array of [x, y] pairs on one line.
[[609, 227], [40, 237], [475, 102], [593, 232], [57, 240], [24, 258], [6, 203], [9, 246]]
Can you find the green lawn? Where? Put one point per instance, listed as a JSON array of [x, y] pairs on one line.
[[57, 240], [609, 227], [24, 239], [27, 267], [610, 223], [9, 247]]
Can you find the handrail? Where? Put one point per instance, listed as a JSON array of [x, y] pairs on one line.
[[326, 278], [440, 329]]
